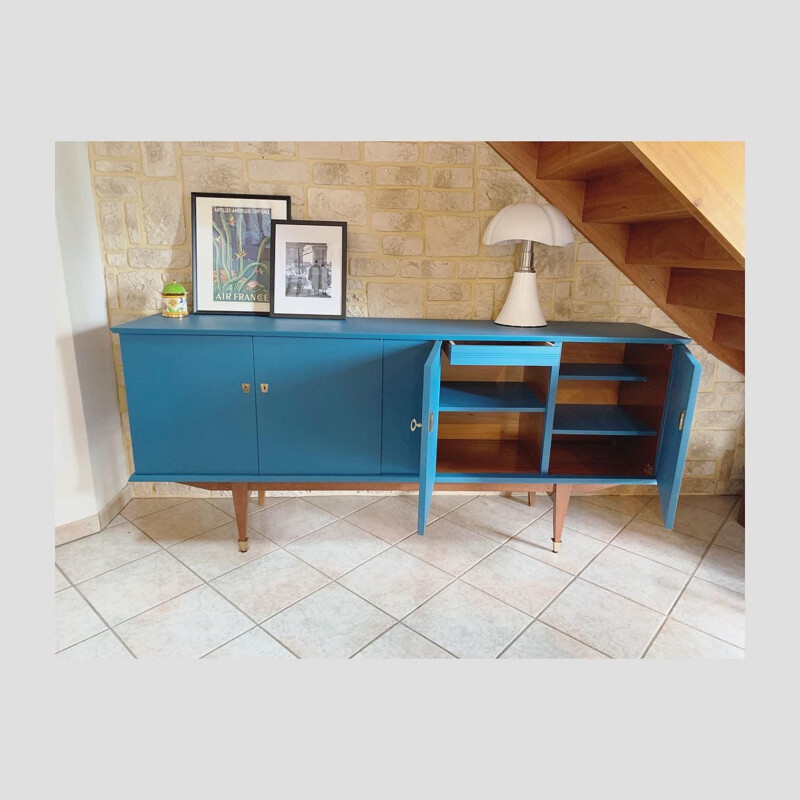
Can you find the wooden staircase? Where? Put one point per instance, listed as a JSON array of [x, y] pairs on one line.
[[669, 215]]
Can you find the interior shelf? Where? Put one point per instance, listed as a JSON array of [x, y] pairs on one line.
[[598, 372], [600, 420], [485, 456], [488, 396], [587, 458]]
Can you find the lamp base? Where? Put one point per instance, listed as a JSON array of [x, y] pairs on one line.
[[522, 309], [518, 324]]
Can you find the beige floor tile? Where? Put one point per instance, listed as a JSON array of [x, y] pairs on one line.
[[188, 626], [667, 547], [449, 546], [594, 520], [331, 623], [628, 504], [288, 521], [61, 581], [337, 548], [226, 504], [76, 530], [724, 567], [131, 589], [543, 502], [607, 622], [497, 518], [731, 535], [576, 551], [104, 551], [103, 645], [654, 585], [342, 504], [390, 519], [141, 506], [256, 643], [542, 641], [441, 504], [524, 583], [468, 622], [718, 503], [402, 642], [181, 522], [396, 582], [216, 552], [74, 619], [689, 519], [712, 609], [269, 584], [676, 640]]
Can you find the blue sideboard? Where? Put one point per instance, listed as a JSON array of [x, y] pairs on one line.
[[264, 403]]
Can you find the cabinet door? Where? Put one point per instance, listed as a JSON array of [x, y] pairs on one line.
[[403, 365], [188, 412], [677, 424], [430, 428], [321, 412]]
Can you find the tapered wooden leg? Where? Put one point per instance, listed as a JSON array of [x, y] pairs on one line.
[[560, 503], [240, 497], [261, 495], [531, 498]]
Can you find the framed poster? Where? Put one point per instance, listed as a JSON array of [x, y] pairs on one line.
[[308, 269], [231, 251]]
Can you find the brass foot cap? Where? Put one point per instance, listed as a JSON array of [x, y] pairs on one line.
[[556, 545], [243, 546]]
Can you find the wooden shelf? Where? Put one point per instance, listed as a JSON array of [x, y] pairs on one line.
[[485, 456], [598, 458], [598, 372], [488, 396], [597, 420]]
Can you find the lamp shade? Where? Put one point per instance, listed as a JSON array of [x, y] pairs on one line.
[[529, 222]]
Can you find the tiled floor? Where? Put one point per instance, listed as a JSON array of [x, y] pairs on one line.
[[341, 576]]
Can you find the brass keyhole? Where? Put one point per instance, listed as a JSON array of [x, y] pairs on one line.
[[264, 388], [246, 388]]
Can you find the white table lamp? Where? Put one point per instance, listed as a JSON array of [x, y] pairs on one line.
[[526, 223]]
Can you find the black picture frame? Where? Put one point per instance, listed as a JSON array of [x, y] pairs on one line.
[[297, 292], [213, 260]]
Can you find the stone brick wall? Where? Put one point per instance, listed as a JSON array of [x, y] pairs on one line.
[[416, 212]]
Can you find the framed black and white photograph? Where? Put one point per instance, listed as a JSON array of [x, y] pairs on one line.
[[232, 249], [309, 265]]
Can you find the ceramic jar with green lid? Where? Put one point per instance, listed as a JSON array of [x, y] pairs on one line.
[[173, 300]]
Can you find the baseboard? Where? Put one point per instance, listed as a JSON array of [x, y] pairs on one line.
[[112, 508], [85, 527]]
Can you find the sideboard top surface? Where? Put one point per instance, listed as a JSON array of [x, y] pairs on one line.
[[377, 328]]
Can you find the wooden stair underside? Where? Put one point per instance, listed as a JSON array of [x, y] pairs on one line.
[[669, 215]]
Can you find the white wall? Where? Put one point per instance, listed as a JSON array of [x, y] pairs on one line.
[[90, 462], [73, 470]]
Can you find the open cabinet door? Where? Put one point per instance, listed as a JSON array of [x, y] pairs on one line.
[[430, 426], [678, 415]]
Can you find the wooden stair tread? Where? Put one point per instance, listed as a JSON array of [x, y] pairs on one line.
[[721, 291], [676, 243], [582, 160], [629, 195]]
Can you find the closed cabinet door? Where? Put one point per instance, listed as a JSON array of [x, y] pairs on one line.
[[682, 391], [403, 365], [318, 405], [191, 404]]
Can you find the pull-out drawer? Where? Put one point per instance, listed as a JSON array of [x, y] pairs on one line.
[[533, 354]]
